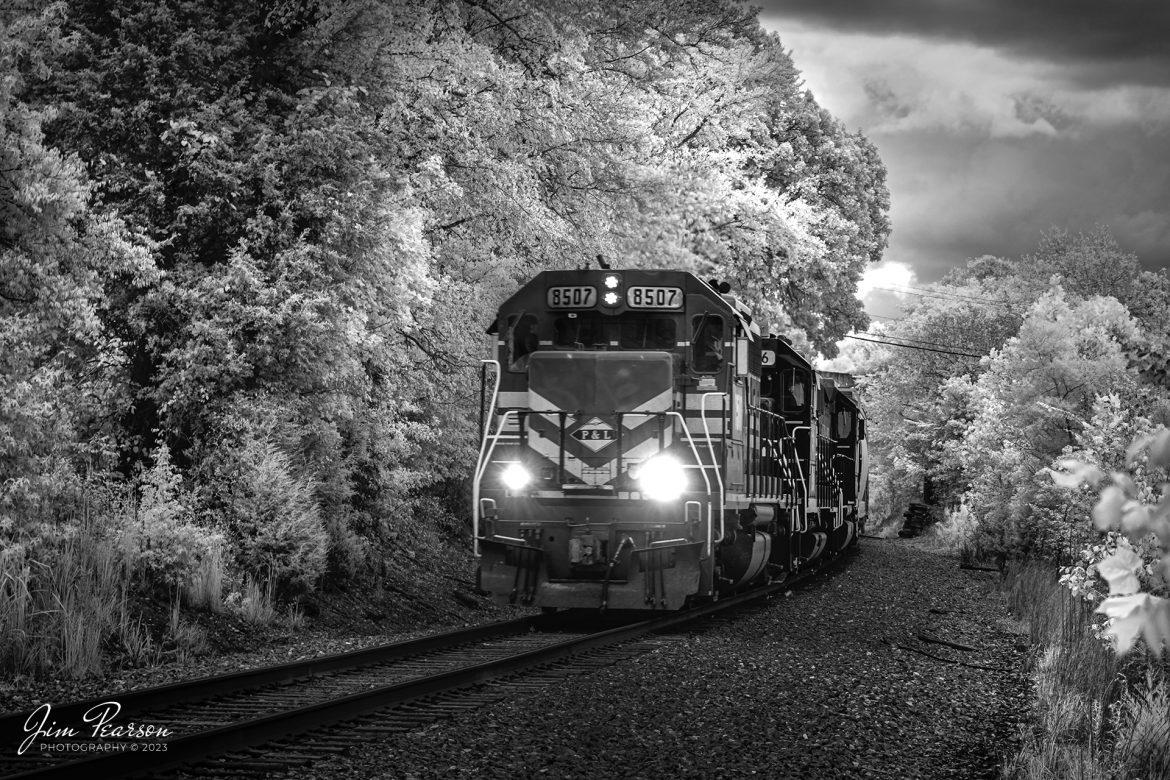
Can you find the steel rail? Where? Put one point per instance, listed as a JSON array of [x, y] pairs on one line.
[[137, 701], [242, 736]]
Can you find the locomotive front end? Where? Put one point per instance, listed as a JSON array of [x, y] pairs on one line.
[[594, 487]]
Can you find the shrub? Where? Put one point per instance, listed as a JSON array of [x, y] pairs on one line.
[[272, 519], [168, 547], [254, 604]]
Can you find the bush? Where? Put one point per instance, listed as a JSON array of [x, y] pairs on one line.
[[169, 549], [272, 519]]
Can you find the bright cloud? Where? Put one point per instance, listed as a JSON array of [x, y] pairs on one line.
[[883, 277]]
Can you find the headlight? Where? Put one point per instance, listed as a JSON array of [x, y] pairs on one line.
[[662, 478], [515, 477]]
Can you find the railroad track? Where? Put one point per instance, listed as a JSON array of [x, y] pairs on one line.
[[265, 721]]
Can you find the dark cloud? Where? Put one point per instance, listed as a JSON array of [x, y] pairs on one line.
[[1100, 42], [952, 200]]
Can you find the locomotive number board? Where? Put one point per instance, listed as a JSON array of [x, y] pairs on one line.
[[654, 297], [578, 297]]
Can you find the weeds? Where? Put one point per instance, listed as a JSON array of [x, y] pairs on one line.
[[953, 533], [255, 604], [204, 589], [1096, 716], [58, 607]]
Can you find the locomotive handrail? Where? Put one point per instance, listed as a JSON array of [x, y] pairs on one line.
[[479, 472], [718, 471], [702, 471], [699, 463], [784, 436], [799, 468], [482, 445]]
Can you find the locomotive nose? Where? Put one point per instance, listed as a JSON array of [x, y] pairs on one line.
[[600, 383]]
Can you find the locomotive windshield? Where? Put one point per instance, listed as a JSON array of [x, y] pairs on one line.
[[596, 331], [583, 331], [648, 333]]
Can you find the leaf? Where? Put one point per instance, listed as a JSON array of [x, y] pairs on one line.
[[1125, 482], [1135, 449], [1120, 571], [1075, 472], [1160, 450], [1126, 616], [1107, 512], [1136, 520]]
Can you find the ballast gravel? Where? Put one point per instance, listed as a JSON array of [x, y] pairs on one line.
[[899, 665]]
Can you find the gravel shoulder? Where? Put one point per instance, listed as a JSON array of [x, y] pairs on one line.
[[840, 679]]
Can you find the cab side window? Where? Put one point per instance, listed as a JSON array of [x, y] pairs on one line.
[[844, 424], [795, 394], [707, 344], [521, 340]]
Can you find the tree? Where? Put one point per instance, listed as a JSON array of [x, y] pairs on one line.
[[60, 370], [338, 194]]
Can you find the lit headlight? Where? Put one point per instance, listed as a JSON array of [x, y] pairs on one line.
[[662, 478], [515, 477]]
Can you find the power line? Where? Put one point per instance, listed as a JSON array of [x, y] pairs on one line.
[[937, 291], [945, 297], [910, 339], [923, 349]]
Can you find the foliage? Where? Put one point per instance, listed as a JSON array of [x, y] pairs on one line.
[[168, 547], [60, 370], [1060, 331], [331, 187], [248, 248], [1136, 567], [1095, 715], [62, 599], [271, 517]]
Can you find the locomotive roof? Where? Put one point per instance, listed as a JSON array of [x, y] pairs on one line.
[[843, 383], [692, 285]]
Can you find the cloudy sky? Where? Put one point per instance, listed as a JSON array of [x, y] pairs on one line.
[[997, 119]]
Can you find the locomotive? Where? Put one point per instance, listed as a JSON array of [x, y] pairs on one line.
[[644, 447]]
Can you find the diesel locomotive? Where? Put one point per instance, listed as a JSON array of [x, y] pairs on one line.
[[644, 447]]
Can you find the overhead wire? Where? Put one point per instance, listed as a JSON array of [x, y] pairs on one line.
[[943, 296], [908, 338], [923, 349]]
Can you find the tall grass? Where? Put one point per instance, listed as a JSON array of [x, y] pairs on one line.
[[1096, 717], [255, 604], [204, 588], [56, 608]]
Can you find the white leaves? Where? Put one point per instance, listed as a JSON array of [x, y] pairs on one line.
[[1135, 449], [1075, 473], [1160, 450], [1107, 512], [1157, 447], [1137, 614], [1120, 571]]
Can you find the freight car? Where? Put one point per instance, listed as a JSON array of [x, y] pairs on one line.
[[645, 447]]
